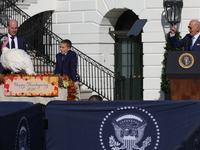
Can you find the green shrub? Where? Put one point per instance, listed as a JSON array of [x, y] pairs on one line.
[[165, 87]]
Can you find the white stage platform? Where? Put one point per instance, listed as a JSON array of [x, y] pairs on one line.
[[62, 95]]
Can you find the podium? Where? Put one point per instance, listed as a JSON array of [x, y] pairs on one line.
[[183, 71]]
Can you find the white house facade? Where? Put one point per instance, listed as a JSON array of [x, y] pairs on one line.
[[87, 24]]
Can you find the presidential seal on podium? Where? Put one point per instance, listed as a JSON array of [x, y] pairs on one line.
[[186, 60]]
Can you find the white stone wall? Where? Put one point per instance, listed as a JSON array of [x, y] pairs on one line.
[[83, 22], [153, 39], [38, 6], [86, 23]]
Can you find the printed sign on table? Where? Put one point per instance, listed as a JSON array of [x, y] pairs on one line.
[[30, 86]]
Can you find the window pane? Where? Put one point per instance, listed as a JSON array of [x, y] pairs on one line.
[[125, 72], [124, 47]]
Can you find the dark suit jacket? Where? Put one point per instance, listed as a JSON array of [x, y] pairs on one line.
[[21, 45], [69, 65], [185, 43]]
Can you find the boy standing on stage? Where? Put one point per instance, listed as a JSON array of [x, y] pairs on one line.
[[66, 61]]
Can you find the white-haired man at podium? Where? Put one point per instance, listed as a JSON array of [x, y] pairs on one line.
[[191, 41]]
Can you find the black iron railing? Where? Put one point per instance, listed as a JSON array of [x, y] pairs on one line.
[[43, 45], [99, 78]]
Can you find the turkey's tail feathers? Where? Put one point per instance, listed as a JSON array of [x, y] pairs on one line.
[[30, 71]]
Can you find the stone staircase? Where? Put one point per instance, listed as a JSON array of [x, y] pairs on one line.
[[2, 30], [85, 93]]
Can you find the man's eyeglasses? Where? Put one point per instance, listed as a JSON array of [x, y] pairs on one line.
[[190, 27]]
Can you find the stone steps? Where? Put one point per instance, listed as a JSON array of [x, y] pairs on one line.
[[2, 30], [85, 93]]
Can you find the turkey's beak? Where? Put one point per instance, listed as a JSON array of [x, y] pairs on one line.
[[4, 39]]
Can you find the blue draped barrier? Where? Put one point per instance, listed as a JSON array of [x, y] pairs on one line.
[[6, 107], [121, 125], [21, 126]]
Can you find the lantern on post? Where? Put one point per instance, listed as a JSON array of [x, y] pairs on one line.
[[173, 10]]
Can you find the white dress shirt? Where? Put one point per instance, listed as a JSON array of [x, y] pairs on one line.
[[15, 40]]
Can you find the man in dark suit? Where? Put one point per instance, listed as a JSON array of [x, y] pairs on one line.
[[14, 41], [191, 41], [66, 61]]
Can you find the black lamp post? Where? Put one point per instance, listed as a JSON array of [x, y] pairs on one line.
[[173, 10]]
